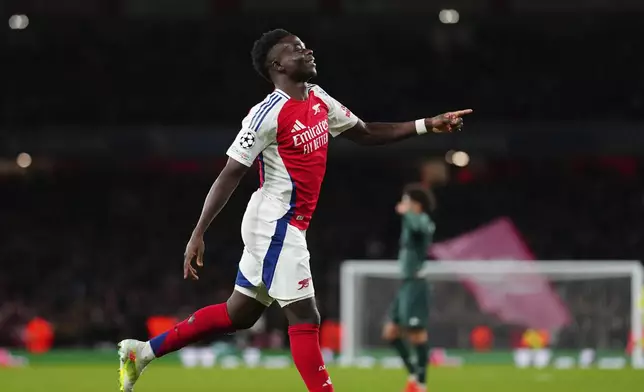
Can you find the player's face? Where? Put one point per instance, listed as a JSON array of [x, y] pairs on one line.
[[295, 60]]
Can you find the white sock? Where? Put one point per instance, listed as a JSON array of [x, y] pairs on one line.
[[146, 353], [412, 377]]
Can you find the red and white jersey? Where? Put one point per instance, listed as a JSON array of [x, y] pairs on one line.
[[289, 138]]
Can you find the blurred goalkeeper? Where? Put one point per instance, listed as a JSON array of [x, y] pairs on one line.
[[409, 312]]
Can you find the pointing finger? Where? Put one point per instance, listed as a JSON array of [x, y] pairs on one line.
[[460, 113]]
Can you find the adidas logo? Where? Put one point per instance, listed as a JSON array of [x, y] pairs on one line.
[[298, 126]]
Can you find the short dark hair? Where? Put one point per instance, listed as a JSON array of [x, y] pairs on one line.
[[262, 46], [420, 195]]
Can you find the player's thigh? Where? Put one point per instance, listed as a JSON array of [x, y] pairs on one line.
[[249, 280], [257, 233], [413, 305], [393, 313], [288, 277], [250, 298]]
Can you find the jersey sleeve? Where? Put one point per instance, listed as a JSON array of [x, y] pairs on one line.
[[340, 118], [258, 131]]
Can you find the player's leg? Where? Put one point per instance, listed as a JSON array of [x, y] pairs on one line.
[[415, 319], [241, 311], [304, 333], [244, 307], [287, 274], [418, 339], [394, 335]]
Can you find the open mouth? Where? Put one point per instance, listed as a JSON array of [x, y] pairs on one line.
[[311, 60]]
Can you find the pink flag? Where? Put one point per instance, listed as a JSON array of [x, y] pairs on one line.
[[526, 299]]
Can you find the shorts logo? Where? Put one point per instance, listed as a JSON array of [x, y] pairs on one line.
[[247, 140], [304, 283]]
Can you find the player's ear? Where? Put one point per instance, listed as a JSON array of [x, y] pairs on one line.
[[277, 66]]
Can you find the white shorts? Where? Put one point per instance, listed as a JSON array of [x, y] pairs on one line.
[[275, 263]]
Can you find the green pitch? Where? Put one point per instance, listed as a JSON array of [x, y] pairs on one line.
[[171, 378]]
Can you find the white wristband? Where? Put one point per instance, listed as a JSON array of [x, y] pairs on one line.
[[421, 128]]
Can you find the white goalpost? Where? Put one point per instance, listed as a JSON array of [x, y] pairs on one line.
[[366, 288]]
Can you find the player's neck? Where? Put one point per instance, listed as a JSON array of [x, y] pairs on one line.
[[295, 90]]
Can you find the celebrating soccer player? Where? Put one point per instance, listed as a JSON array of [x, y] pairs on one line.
[[409, 311], [287, 134]]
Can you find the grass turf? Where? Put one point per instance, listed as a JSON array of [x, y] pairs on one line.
[[172, 378]]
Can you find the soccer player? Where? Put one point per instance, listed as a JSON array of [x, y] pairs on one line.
[[287, 134], [409, 311]]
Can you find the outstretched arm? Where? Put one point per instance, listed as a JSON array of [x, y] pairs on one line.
[[376, 133]]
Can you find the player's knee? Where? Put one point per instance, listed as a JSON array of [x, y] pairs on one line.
[[242, 322], [302, 312], [390, 332], [417, 336], [239, 320], [310, 317], [243, 311]]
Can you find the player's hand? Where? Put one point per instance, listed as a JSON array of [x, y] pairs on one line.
[[447, 122], [402, 208], [194, 249]]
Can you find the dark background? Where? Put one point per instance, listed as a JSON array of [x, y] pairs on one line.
[[127, 107]]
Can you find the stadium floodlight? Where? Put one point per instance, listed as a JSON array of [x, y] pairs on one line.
[[18, 22]]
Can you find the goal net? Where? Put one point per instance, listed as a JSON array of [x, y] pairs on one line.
[[543, 313]]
